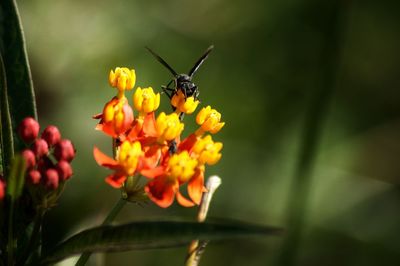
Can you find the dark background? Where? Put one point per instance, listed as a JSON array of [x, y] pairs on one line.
[[312, 83]]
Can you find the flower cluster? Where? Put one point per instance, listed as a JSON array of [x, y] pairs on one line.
[[150, 146], [48, 157]]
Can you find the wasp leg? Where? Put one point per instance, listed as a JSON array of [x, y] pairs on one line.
[[166, 90], [181, 116]]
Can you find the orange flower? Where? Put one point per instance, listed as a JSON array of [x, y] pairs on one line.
[[129, 160], [209, 121], [207, 151], [178, 169], [183, 104], [145, 100], [122, 78], [117, 117]]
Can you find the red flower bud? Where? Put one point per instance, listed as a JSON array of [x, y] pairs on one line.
[[28, 129], [40, 148], [64, 170], [29, 157], [51, 178], [34, 176], [64, 150], [2, 189], [51, 135]]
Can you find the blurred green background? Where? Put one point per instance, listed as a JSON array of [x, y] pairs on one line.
[[281, 73]]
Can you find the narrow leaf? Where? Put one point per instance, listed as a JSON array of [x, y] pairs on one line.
[[20, 92], [151, 235], [15, 182], [6, 135]]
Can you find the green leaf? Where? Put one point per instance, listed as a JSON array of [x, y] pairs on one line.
[[20, 92], [6, 137], [151, 235], [15, 182]]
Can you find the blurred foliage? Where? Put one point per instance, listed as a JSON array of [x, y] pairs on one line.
[[261, 76]]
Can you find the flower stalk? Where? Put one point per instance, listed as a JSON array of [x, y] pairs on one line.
[[196, 248]]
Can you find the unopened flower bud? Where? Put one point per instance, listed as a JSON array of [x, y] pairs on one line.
[[28, 129], [29, 157], [51, 178], [34, 176], [64, 150], [2, 189], [64, 170], [40, 148], [51, 135]]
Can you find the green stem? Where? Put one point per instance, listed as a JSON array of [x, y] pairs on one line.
[[315, 116], [10, 245], [110, 217], [37, 225]]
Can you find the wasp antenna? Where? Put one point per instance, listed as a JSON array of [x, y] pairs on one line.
[[162, 61], [200, 61]]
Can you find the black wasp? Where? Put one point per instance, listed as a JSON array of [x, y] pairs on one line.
[[182, 82]]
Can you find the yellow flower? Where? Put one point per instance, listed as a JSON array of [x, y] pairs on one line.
[[128, 156], [168, 127], [187, 106], [145, 100], [209, 120], [122, 78], [207, 150], [182, 166]]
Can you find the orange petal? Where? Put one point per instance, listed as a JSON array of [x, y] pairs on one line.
[[98, 116], [188, 143], [99, 127], [184, 201], [151, 157], [134, 132], [154, 172], [108, 128], [161, 192], [196, 186], [104, 160], [149, 125], [115, 180]]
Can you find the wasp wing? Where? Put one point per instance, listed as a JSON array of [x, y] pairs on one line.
[[162, 61], [200, 61]]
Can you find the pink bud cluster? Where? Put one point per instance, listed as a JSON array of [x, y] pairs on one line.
[[47, 157]]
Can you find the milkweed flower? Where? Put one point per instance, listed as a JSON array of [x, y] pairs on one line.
[[117, 117], [180, 168], [207, 151], [150, 146], [145, 100], [168, 127], [122, 78], [209, 121], [182, 104], [125, 164]]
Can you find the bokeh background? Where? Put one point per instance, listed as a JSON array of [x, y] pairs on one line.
[[310, 94]]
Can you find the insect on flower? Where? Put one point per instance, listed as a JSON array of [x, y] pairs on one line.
[[183, 82]]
